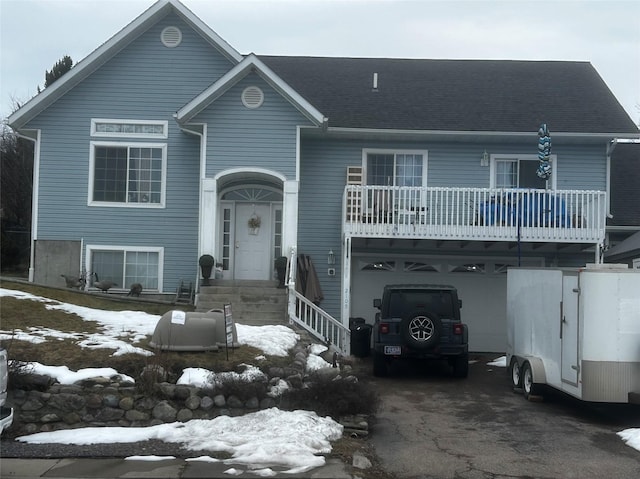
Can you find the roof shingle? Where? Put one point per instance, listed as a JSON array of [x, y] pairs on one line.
[[455, 95]]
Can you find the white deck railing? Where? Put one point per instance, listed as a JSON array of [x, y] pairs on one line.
[[475, 214]]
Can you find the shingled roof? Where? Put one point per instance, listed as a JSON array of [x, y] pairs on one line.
[[455, 95]]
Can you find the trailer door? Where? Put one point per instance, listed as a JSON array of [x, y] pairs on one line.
[[569, 329]]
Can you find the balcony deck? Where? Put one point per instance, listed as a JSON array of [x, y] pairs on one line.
[[475, 214]]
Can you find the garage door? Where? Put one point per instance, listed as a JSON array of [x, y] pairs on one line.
[[481, 284]]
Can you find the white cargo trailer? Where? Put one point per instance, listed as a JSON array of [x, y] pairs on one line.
[[575, 330]]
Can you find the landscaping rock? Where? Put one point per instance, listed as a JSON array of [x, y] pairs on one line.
[[164, 412], [112, 401]]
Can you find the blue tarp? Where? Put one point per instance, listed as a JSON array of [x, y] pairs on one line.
[[537, 209]]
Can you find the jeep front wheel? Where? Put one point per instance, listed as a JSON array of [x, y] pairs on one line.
[[421, 330]]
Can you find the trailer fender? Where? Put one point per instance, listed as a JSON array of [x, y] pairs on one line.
[[537, 369]]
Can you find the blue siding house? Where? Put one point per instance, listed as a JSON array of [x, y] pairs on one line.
[[166, 143]]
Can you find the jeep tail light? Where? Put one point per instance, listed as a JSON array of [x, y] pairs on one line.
[[457, 328], [384, 328]]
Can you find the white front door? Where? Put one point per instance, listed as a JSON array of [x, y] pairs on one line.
[[252, 259]]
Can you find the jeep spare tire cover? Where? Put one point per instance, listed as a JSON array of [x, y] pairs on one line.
[[421, 330]]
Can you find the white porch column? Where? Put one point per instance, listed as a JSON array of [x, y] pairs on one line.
[[208, 217], [346, 281], [289, 215]]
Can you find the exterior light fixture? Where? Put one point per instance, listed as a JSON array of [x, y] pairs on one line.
[[484, 160], [331, 259]]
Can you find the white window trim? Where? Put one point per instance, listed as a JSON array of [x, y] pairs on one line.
[[145, 249], [392, 151], [492, 169], [95, 121], [163, 187]]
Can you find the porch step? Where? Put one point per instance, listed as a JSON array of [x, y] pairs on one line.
[[254, 303]]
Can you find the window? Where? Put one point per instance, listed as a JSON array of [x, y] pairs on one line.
[[127, 265], [395, 168], [129, 128], [277, 240], [379, 266], [517, 173], [417, 266], [127, 174], [468, 268]]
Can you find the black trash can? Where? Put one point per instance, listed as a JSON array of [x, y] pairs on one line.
[[355, 322], [361, 340]]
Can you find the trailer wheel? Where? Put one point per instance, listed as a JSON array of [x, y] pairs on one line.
[[515, 373], [528, 386]]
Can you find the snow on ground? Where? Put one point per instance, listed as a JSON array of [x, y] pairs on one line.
[[121, 328], [64, 375], [500, 362], [259, 441], [293, 440]]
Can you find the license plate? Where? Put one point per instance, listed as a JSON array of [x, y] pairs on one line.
[[392, 350]]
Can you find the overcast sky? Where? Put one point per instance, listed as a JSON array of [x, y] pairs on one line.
[[37, 33]]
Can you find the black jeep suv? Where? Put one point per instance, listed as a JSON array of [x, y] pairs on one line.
[[420, 321]]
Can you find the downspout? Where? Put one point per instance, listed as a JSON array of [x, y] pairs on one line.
[[610, 147], [346, 287], [600, 246], [203, 165], [35, 184]]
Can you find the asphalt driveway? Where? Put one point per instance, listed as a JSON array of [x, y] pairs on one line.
[[430, 425]]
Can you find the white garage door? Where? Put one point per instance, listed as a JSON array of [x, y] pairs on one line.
[[481, 284]]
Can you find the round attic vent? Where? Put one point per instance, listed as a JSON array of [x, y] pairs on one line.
[[171, 37], [252, 97]]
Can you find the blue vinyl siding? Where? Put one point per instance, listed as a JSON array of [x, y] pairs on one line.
[[135, 84], [147, 81], [264, 137], [582, 169], [323, 178]]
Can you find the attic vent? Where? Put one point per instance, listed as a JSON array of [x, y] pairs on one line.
[[171, 37], [252, 97]]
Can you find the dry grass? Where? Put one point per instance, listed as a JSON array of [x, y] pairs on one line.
[[332, 398], [20, 314]]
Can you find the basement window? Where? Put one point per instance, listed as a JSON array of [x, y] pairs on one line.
[[127, 265]]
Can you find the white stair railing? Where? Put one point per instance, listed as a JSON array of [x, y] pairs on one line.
[[312, 318], [320, 323]]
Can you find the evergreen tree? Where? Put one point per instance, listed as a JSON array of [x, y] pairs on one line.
[[60, 68], [16, 180]]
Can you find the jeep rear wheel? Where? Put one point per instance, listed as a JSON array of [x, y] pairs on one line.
[[461, 366], [380, 366], [421, 330]]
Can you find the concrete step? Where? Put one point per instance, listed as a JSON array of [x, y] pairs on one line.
[[245, 297], [252, 302]]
